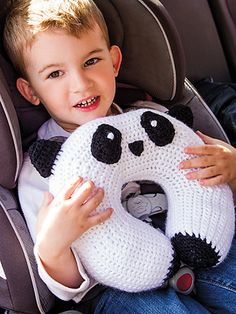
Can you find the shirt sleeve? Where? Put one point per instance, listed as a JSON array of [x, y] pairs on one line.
[[61, 291], [31, 189]]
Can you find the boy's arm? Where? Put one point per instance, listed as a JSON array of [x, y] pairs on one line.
[[216, 162], [31, 188], [61, 221]]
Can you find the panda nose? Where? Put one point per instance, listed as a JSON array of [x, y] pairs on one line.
[[136, 147]]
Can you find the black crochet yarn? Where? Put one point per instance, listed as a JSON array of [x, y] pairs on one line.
[[106, 144], [194, 251], [182, 113], [42, 154], [158, 128], [136, 147]]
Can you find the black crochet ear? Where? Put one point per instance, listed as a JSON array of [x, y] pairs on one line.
[[182, 113], [42, 154]]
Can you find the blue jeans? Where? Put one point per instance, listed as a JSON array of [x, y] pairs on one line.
[[215, 293]]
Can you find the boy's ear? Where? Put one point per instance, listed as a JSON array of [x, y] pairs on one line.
[[27, 91], [116, 57]]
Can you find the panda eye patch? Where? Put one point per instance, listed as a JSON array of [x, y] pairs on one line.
[[106, 144], [158, 128]]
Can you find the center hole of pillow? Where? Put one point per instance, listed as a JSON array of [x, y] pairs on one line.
[[145, 200]]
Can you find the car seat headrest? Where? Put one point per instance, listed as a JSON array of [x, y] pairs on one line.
[[153, 57]]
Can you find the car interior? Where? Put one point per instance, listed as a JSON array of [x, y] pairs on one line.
[[168, 46]]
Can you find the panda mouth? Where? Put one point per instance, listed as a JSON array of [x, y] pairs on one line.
[[86, 103]]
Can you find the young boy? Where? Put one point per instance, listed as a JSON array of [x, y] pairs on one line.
[[61, 50]]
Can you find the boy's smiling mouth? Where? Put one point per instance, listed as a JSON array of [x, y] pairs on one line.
[[88, 104]]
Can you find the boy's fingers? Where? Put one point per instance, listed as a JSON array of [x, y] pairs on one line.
[[197, 162], [93, 202], [47, 199], [206, 173], [100, 217], [71, 187], [187, 164], [82, 194], [212, 181], [206, 139], [200, 150], [212, 141]]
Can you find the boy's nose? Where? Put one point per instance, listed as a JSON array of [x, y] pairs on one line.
[[136, 147], [80, 82]]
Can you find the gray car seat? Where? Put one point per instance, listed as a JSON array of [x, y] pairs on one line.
[[224, 12], [153, 67], [204, 52]]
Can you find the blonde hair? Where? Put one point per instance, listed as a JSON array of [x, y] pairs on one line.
[[29, 17]]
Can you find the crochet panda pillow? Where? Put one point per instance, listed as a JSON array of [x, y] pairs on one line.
[[143, 144]]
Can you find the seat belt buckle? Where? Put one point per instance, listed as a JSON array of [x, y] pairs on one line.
[[183, 280]]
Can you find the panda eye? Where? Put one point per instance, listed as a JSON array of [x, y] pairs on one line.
[[106, 144], [158, 128]]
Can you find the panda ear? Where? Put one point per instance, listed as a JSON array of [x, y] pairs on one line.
[[42, 154], [182, 113]]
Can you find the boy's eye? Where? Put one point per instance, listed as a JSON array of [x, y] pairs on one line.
[[55, 74], [91, 61]]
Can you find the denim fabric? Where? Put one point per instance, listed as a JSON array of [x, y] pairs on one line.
[[217, 286], [221, 99], [215, 293]]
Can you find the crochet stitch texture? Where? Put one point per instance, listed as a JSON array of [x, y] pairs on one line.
[[125, 252]]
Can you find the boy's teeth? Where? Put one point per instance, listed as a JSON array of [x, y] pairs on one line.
[[87, 102]]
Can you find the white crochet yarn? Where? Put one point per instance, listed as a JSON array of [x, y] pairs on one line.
[[125, 252]]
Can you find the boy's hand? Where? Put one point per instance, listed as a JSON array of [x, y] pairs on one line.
[[65, 218], [216, 162]]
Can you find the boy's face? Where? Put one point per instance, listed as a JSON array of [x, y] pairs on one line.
[[73, 77]]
